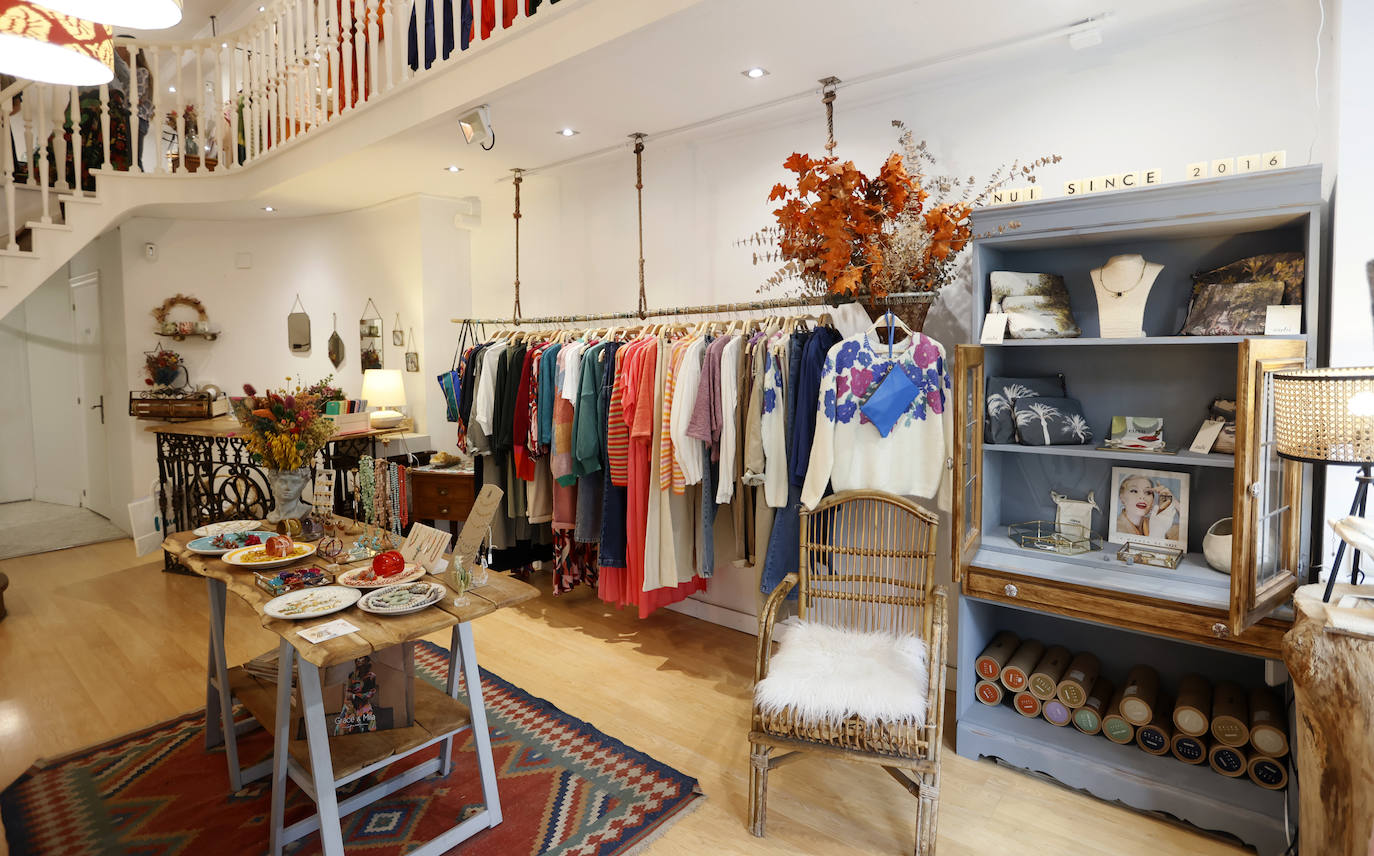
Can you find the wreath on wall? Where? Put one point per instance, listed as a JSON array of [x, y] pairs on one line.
[[161, 312]]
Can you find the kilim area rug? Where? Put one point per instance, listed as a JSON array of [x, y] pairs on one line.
[[566, 789]]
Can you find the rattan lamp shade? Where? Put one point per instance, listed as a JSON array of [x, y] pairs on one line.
[[37, 43], [1325, 415]]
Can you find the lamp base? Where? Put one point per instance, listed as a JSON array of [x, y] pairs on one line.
[[385, 418]]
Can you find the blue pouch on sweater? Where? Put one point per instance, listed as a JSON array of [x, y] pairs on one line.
[[890, 399]]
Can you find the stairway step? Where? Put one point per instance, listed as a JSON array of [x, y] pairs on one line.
[[88, 199], [52, 227], [18, 254]]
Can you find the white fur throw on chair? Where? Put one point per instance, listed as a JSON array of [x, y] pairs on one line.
[[824, 674]]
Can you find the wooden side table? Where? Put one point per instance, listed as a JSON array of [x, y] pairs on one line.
[[335, 761], [441, 494]]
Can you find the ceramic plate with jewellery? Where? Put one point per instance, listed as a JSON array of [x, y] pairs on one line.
[[366, 578], [226, 526], [218, 545], [311, 602], [402, 599], [258, 557]]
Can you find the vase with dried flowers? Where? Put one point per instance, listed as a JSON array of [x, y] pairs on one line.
[[283, 431], [902, 230], [163, 368]]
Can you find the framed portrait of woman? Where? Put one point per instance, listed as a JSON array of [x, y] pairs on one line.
[[1149, 507]]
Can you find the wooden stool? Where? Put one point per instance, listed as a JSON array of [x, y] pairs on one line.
[[4, 584]]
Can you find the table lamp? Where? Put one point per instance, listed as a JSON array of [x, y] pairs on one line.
[[385, 389], [1326, 416]]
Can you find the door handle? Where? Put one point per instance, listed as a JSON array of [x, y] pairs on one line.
[[101, 408]]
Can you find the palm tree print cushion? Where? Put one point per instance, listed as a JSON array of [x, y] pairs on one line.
[[1047, 421], [1002, 392]]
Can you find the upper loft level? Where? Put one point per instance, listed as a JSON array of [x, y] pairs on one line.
[[214, 123]]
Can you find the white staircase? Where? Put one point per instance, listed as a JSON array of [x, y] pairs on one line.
[[314, 82]]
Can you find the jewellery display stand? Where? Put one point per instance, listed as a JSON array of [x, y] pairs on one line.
[[1177, 620], [1123, 287]]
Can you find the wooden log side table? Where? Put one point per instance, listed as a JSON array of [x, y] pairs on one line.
[[1333, 682], [336, 761]]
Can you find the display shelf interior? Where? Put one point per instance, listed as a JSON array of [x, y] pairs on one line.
[[1185, 783], [1193, 581], [1137, 340], [1090, 450], [1110, 771]]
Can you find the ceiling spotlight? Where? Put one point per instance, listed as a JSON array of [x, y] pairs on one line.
[[135, 14], [224, 44], [262, 8], [755, 73], [569, 132], [268, 208], [453, 168], [476, 127], [171, 89]]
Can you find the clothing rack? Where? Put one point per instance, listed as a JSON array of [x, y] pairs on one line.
[[711, 309]]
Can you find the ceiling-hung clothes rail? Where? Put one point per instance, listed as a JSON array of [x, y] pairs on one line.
[[716, 308]]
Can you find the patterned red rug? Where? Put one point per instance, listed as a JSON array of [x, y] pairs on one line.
[[566, 788]]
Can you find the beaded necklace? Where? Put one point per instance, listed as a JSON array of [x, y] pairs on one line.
[[367, 487]]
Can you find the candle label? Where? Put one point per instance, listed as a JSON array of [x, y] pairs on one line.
[[1228, 732], [1042, 685], [1027, 704], [987, 668], [1268, 772], [1086, 720], [1071, 694], [1189, 749], [1056, 713], [988, 693], [1013, 679], [1153, 740], [1228, 761], [1117, 729]]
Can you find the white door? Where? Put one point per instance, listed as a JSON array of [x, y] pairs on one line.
[[91, 385]]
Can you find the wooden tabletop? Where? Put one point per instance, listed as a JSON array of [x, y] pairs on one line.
[[228, 426], [375, 632]]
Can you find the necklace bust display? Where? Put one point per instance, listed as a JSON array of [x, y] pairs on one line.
[[1123, 287]]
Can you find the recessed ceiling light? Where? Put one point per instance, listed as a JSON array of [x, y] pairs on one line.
[[453, 168], [268, 208], [224, 44], [171, 89], [262, 8], [569, 132], [755, 73]]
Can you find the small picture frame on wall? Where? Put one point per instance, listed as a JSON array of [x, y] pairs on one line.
[[412, 361], [1149, 507]]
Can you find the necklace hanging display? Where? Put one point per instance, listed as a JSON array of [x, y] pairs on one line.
[[336, 345], [412, 355], [1144, 265], [1121, 301]]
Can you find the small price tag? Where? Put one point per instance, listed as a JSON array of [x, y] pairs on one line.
[[1207, 436], [1283, 320], [330, 629], [994, 328]]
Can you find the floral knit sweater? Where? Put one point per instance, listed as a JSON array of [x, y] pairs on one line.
[[848, 449]]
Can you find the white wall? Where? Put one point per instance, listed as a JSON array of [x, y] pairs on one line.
[[1240, 82], [16, 421], [1352, 245], [335, 263]]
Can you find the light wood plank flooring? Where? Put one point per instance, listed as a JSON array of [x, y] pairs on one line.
[[99, 643]]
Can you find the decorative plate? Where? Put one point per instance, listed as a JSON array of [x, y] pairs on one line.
[[256, 557], [354, 578], [226, 526], [206, 546], [311, 602], [402, 599]]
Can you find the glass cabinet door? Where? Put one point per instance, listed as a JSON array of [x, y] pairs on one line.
[[968, 456], [1266, 550]]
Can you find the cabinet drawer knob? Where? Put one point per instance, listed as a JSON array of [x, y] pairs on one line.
[[443, 491], [443, 510], [1220, 630], [1010, 590]]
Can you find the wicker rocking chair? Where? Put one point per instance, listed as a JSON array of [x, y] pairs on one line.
[[867, 564]]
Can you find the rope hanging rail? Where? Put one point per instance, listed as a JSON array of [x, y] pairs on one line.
[[718, 308], [639, 200], [517, 180], [828, 85]]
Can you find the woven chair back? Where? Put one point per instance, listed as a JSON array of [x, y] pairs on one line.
[[868, 563]]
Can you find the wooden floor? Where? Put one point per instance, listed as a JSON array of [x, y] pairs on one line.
[[99, 643]]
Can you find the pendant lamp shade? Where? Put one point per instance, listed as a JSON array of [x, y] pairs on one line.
[[37, 43], [134, 14]]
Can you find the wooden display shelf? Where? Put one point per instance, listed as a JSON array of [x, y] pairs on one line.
[[1183, 458], [1134, 340], [436, 717], [1114, 772]]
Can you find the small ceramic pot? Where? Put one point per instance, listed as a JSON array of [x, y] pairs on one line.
[[1216, 545]]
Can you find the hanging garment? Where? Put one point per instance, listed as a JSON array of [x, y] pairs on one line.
[[445, 33], [773, 423], [784, 542], [587, 448], [612, 535], [686, 450], [729, 406], [548, 366], [850, 453]]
